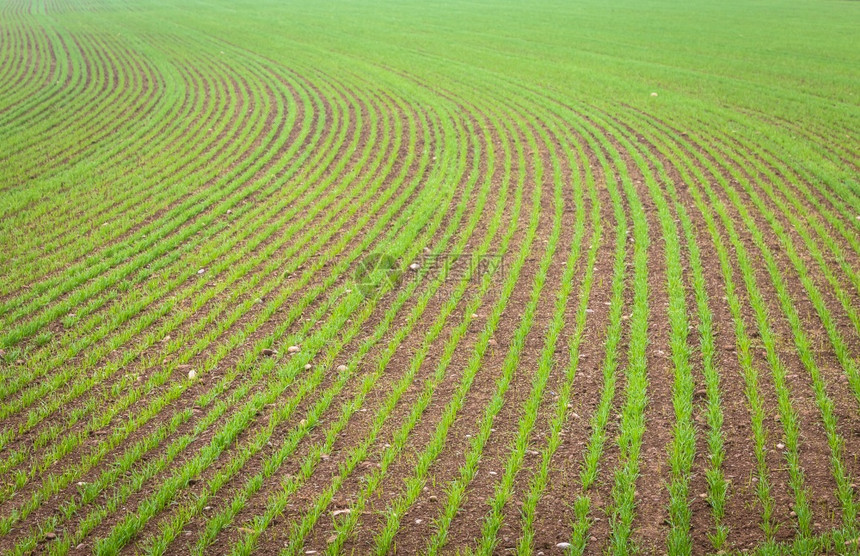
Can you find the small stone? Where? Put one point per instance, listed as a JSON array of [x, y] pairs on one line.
[[780, 446], [201, 271], [308, 367], [432, 498], [19, 361], [418, 521], [474, 315], [414, 266], [792, 513], [192, 374], [339, 512], [268, 352], [703, 495], [341, 368], [293, 349], [80, 546], [593, 538], [563, 545], [653, 94], [229, 211], [50, 535], [492, 342]]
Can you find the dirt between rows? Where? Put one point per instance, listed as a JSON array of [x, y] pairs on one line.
[[156, 353], [230, 360], [555, 514], [354, 434]]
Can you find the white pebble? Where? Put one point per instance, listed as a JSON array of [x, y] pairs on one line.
[[192, 374]]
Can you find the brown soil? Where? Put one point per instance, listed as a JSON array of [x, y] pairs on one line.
[[274, 196]]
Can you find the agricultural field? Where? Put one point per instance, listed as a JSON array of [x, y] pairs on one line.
[[369, 277]]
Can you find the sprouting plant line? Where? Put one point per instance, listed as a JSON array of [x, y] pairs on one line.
[[294, 314], [844, 491], [457, 488], [349, 408], [717, 485], [540, 479], [788, 416], [153, 407], [360, 451], [271, 465], [166, 373], [504, 488]]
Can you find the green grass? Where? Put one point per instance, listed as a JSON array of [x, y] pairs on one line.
[[193, 187]]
